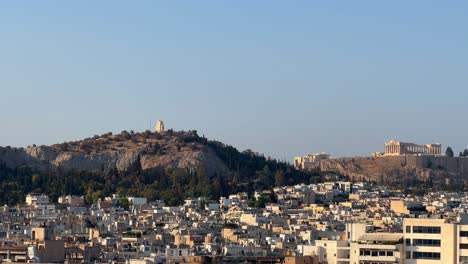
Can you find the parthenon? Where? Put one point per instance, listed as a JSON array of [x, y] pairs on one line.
[[395, 148]]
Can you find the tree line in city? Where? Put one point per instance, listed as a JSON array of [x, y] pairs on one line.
[[249, 171], [449, 152]]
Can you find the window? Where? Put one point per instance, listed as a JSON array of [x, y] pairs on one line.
[[426, 255], [375, 253], [408, 229], [426, 229], [463, 246], [427, 242], [408, 254], [408, 242], [464, 233]]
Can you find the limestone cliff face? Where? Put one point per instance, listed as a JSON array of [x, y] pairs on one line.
[[394, 169], [139, 152]]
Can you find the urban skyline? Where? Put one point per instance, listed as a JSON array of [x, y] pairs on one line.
[[224, 132]]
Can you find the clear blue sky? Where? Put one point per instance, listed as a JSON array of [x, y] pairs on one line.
[[279, 77]]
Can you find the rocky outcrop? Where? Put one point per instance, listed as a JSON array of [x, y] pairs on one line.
[[81, 161], [397, 168], [128, 161], [42, 153], [139, 152]]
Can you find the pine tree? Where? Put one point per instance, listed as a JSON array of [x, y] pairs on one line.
[[449, 152]]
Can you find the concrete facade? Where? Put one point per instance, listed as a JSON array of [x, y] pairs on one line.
[[430, 241], [377, 248]]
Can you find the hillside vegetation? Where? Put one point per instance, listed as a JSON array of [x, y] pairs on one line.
[[170, 165]]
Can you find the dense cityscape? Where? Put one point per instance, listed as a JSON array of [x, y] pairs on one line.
[[226, 132], [331, 222], [338, 219]]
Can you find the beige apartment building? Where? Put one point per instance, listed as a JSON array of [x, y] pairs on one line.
[[382, 248], [462, 238], [430, 241], [406, 207]]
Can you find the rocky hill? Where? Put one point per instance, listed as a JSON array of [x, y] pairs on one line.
[[123, 152], [400, 170], [166, 165]]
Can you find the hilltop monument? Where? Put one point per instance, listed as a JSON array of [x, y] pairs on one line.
[[159, 126], [397, 148]]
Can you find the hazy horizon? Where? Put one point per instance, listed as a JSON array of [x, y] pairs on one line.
[[280, 78]]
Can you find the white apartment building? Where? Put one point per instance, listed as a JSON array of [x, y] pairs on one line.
[[430, 241], [462, 238], [35, 200], [327, 251], [377, 248]]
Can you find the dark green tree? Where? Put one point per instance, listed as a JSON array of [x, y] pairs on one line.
[[279, 178], [125, 203], [449, 152], [465, 153]]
